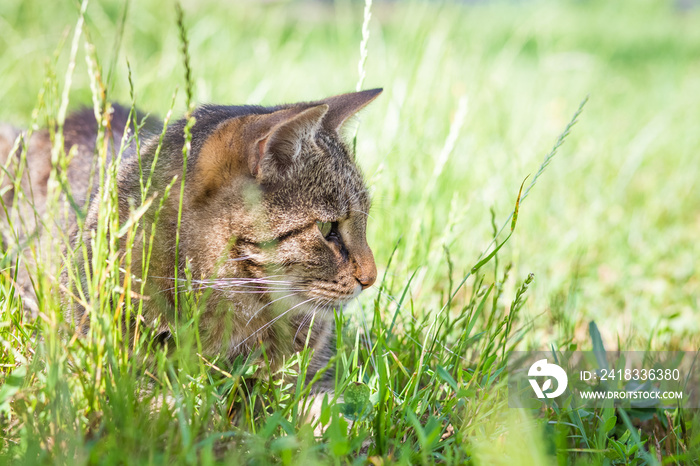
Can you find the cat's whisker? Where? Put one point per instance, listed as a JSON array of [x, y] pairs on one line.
[[307, 318], [262, 292], [239, 283], [362, 212], [256, 288], [259, 291], [242, 282], [240, 258], [271, 322], [233, 281], [237, 288], [354, 198], [324, 305], [253, 290], [266, 305], [266, 279]]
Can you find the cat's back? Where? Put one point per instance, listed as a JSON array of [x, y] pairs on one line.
[[24, 178], [27, 156]]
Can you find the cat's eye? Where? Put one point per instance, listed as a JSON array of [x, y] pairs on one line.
[[325, 228]]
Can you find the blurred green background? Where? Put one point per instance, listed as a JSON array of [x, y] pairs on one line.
[[610, 230]]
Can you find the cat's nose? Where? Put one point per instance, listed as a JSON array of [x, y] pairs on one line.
[[367, 281], [366, 270]]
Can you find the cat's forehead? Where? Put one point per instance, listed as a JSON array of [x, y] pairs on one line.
[[325, 180]]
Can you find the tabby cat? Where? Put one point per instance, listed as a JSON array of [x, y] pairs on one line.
[[273, 220]]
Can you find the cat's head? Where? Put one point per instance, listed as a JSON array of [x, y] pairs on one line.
[[275, 194]]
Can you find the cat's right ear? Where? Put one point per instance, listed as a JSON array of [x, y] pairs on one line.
[[343, 107]]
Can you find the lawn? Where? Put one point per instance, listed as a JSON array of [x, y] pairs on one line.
[[476, 96]]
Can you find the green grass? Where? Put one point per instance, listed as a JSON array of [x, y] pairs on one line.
[[475, 97]]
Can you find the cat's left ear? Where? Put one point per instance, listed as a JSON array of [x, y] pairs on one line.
[[341, 107], [276, 151], [264, 146]]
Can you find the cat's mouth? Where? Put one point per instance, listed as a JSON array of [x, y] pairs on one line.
[[335, 297]]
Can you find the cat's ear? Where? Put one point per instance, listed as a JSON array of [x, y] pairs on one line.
[[341, 107], [263, 145], [277, 148]]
